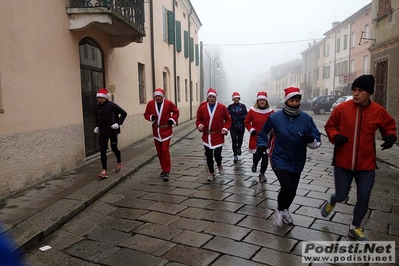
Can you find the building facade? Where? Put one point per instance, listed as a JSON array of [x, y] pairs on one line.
[[384, 52], [55, 55]]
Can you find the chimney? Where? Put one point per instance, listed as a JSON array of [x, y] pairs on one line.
[[335, 23]]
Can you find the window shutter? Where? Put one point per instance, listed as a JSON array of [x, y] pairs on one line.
[[171, 27], [185, 44], [196, 55], [178, 36], [191, 50]]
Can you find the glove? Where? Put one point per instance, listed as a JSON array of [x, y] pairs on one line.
[[261, 150], [340, 140], [307, 138], [170, 122], [115, 126], [153, 118], [389, 141], [96, 130], [253, 133]]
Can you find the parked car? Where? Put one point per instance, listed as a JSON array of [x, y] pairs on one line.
[[323, 104], [280, 105], [340, 100]]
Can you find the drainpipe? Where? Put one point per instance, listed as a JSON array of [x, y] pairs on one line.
[[174, 58], [189, 65], [152, 44]]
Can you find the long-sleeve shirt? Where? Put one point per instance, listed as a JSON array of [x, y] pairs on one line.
[[238, 112]]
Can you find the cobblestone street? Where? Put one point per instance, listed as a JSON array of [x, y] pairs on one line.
[[190, 221]]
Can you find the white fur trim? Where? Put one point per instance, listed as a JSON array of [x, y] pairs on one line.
[[158, 93], [102, 95], [211, 93], [261, 97], [291, 94]]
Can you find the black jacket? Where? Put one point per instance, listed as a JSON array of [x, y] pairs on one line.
[[108, 114]]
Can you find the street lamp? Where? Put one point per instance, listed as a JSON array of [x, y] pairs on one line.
[[218, 62]]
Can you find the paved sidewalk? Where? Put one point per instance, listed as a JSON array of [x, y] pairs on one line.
[[36, 213]]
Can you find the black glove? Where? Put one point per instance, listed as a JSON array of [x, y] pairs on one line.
[[340, 140], [389, 141], [253, 133], [261, 150], [307, 138], [170, 122], [153, 118]]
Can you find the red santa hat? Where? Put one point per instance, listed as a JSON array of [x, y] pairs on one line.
[[159, 92], [103, 93], [291, 92], [235, 95], [261, 95], [211, 92]]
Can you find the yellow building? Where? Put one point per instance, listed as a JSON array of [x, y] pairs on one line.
[[55, 55]]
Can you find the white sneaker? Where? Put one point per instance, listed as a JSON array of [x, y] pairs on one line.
[[221, 170], [211, 177], [287, 217], [278, 219]]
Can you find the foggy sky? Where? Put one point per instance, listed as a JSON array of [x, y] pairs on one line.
[[283, 28]]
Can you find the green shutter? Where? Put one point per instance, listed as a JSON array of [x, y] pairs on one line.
[[191, 49], [196, 55], [178, 36], [171, 27], [185, 44]]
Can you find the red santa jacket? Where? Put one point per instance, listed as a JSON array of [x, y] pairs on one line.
[[359, 125], [161, 130], [214, 122], [255, 120]]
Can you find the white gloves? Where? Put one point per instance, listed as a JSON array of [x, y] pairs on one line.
[[96, 130], [115, 126]]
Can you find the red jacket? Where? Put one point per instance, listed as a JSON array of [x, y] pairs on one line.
[[214, 122], [161, 130], [255, 120], [359, 125]]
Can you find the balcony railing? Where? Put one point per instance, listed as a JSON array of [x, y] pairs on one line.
[[122, 19], [351, 76]]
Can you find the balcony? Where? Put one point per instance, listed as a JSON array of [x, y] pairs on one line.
[[123, 20]]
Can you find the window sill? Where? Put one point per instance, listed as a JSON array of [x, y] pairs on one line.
[[1, 111]]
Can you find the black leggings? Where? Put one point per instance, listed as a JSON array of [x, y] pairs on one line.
[[103, 141], [289, 184], [209, 157], [263, 165], [237, 137]]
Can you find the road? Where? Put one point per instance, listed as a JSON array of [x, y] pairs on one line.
[[190, 221]]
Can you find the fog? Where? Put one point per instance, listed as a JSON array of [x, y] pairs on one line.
[[245, 38]]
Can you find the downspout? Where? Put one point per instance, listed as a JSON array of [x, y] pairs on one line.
[[189, 65], [152, 44], [349, 74], [174, 58]]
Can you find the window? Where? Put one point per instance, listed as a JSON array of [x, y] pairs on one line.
[[186, 90], [196, 55], [165, 83], [326, 72], [352, 65], [178, 36], [196, 92], [1, 101], [365, 64], [178, 89], [186, 47], [191, 49], [171, 27], [353, 39], [345, 41], [338, 44], [165, 24], [141, 83], [366, 32], [345, 67], [328, 49], [324, 50], [317, 73], [384, 6]]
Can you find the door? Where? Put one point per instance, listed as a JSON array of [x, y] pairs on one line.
[[92, 79]]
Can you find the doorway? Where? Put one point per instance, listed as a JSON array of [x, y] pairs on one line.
[[92, 79]]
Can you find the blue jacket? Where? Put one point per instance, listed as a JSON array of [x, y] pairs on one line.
[[281, 134], [238, 112]]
